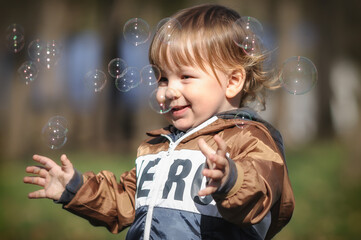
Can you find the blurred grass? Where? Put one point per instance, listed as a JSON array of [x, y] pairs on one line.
[[327, 198], [23, 218]]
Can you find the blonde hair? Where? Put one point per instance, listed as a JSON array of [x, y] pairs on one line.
[[205, 34]]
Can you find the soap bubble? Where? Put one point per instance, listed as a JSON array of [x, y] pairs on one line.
[[53, 136], [35, 49], [136, 31], [150, 74], [28, 72], [122, 84], [168, 26], [95, 80], [46, 53], [59, 121], [15, 39], [116, 67], [50, 54], [54, 132], [249, 34], [241, 118], [162, 22], [298, 75], [159, 102], [130, 79]]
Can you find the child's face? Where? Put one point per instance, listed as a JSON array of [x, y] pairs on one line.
[[195, 95]]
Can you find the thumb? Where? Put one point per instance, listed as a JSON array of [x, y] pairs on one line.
[[66, 165]]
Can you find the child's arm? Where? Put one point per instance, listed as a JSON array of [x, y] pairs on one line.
[[105, 201], [101, 199], [52, 177], [261, 183]]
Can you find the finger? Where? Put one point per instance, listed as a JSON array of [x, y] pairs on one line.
[[218, 162], [207, 191], [222, 146], [41, 171], [67, 166], [46, 162], [34, 180], [205, 148], [214, 175], [207, 151], [37, 194]]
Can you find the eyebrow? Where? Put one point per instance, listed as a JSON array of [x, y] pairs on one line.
[[178, 70]]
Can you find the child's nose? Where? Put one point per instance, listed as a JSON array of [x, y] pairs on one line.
[[172, 93]]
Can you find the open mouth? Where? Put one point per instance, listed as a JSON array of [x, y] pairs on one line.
[[176, 109]]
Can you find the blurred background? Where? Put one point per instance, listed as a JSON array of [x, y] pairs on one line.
[[321, 128]]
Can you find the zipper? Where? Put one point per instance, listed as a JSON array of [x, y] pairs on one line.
[[165, 163]]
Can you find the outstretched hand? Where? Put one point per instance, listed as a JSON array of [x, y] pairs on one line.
[[218, 166], [52, 177]]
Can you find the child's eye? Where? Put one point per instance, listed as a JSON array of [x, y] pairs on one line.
[[186, 77], [163, 82]]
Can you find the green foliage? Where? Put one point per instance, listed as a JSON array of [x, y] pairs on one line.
[[327, 205]]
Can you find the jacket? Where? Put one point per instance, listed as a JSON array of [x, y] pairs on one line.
[[158, 197]]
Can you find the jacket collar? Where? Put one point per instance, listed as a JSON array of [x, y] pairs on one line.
[[215, 124], [223, 121]]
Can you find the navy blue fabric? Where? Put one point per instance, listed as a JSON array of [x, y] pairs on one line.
[[180, 225], [175, 134], [232, 178], [71, 188]]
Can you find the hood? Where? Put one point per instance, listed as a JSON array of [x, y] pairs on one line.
[[250, 114]]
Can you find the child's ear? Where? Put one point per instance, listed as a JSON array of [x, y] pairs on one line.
[[235, 83]]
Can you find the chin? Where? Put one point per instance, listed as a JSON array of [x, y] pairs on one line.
[[181, 127]]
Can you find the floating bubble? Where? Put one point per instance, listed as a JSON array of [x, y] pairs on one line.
[[53, 136], [251, 46], [50, 54], [15, 39], [168, 27], [122, 85], [35, 49], [253, 25], [249, 35], [161, 23], [116, 67], [298, 75], [150, 74], [130, 79], [59, 121], [242, 118], [158, 100], [28, 72], [54, 132], [136, 31], [95, 80]]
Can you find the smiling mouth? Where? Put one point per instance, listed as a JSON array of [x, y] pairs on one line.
[[178, 108]]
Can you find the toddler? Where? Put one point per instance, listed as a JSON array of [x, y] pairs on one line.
[[216, 172]]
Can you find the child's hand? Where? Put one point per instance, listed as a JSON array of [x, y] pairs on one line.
[[218, 166], [52, 177]]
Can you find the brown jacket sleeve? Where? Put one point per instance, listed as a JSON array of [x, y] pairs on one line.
[[104, 201], [262, 184]]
